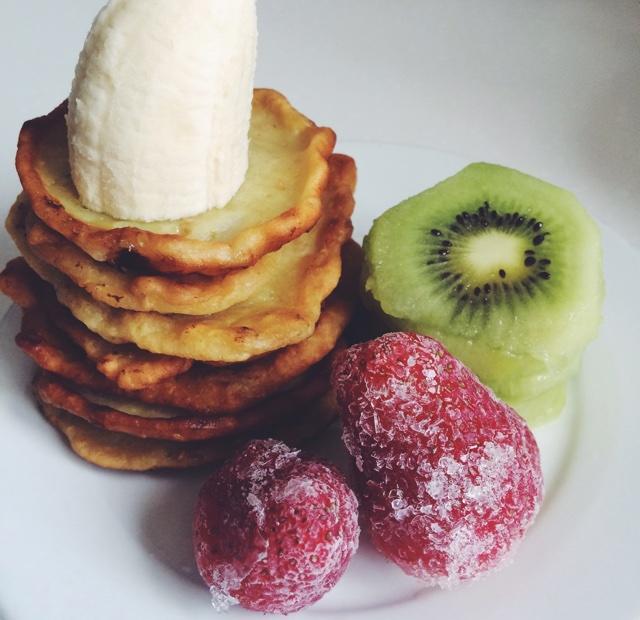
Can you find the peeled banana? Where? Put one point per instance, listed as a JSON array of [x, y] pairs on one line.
[[160, 107]]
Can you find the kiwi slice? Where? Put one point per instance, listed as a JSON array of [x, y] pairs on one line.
[[514, 378], [544, 407], [536, 392], [503, 268]]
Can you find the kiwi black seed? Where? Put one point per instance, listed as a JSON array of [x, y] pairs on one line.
[[444, 247]]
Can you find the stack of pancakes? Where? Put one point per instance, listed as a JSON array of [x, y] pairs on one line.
[[166, 345]]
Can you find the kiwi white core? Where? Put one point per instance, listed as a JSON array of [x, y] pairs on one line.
[[486, 254]]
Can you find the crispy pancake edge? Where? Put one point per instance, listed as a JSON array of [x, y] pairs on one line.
[[287, 405], [204, 390], [118, 451]]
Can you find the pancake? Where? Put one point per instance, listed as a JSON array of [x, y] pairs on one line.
[[127, 365], [61, 344], [129, 417], [123, 452], [204, 390], [279, 200], [190, 294], [166, 294], [283, 312]]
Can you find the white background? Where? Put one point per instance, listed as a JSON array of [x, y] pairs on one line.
[[548, 86]]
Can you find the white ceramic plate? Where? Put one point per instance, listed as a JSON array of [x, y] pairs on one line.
[[79, 543]]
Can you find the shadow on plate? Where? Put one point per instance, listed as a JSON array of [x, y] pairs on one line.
[[165, 524]]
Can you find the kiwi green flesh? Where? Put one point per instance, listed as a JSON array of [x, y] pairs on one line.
[[511, 377], [483, 285], [514, 378], [543, 408]]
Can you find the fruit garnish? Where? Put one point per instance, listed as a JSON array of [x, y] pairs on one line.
[[160, 106], [449, 476], [503, 268], [273, 531]]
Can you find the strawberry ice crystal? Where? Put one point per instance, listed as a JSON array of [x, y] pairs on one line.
[[273, 531], [449, 476]]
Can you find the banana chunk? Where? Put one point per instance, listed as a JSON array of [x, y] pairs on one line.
[[160, 107]]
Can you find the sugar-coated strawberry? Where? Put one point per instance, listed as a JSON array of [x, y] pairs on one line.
[[274, 531], [449, 476]]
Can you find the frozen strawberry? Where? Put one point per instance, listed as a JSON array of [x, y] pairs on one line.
[[273, 531], [450, 477]]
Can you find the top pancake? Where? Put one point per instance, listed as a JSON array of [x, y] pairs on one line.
[[280, 199]]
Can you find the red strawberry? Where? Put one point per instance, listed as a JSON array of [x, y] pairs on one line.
[[274, 532], [450, 476]]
